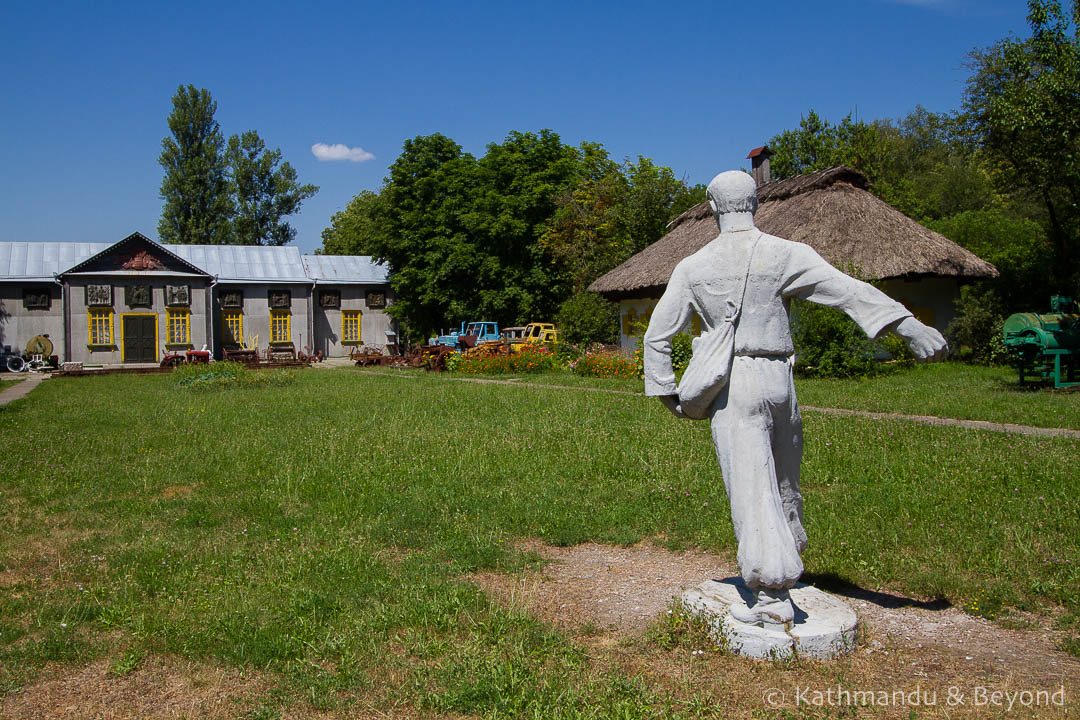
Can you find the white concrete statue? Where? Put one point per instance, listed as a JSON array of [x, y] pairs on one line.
[[756, 426]]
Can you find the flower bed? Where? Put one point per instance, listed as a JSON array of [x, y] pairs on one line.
[[529, 359], [605, 363]]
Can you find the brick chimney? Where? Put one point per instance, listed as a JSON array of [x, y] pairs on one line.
[[759, 164]]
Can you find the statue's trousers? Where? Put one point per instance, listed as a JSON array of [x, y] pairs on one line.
[[757, 431]]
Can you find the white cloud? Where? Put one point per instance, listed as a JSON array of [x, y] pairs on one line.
[[331, 153]]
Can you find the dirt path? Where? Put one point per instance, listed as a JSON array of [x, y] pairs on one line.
[[954, 422], [623, 589]]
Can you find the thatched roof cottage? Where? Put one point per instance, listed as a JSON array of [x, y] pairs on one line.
[[832, 211]]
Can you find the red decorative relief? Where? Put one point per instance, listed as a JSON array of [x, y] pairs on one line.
[[141, 260]]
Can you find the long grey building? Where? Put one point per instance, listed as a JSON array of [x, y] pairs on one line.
[[135, 299]]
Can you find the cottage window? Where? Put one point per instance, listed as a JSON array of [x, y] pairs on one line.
[[350, 326], [233, 322], [99, 323], [280, 326], [178, 326]]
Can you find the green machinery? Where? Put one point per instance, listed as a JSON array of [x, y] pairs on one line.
[[1046, 346]]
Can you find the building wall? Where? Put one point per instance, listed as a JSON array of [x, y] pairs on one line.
[[374, 322], [930, 299], [82, 351], [256, 310], [633, 312], [18, 325]]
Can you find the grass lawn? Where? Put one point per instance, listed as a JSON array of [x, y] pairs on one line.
[[945, 389], [318, 533], [949, 390]]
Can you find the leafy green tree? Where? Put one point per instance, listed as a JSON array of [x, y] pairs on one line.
[[352, 230], [1016, 246], [195, 188], [265, 191], [654, 198], [519, 179], [584, 234], [920, 165], [425, 218], [507, 236], [1024, 109], [613, 212]]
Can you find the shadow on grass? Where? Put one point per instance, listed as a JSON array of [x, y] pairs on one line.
[[839, 586]]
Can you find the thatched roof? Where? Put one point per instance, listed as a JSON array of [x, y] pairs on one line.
[[832, 212]]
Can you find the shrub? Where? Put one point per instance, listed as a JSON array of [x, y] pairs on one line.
[[586, 318], [682, 349], [829, 344], [975, 334], [224, 375]]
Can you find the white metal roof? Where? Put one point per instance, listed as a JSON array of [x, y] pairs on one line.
[[251, 263], [345, 269], [42, 260]]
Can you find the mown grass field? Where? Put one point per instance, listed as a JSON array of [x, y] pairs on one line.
[[319, 532], [948, 389]]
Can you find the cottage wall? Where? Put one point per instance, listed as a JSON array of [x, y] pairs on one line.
[[930, 299], [18, 325], [82, 351], [374, 322], [638, 312]]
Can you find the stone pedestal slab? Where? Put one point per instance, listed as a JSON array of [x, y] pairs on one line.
[[824, 626]]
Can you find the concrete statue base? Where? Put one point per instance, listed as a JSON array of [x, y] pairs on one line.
[[824, 625]]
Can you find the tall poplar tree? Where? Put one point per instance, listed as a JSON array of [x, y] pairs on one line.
[[198, 207]]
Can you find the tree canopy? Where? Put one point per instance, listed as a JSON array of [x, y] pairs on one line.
[[507, 236], [218, 192], [1023, 108]]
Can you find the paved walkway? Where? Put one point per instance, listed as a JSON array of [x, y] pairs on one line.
[[20, 389]]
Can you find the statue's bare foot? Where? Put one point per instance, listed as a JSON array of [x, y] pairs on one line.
[[772, 606]]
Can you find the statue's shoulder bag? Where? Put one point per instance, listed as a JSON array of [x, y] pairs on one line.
[[713, 353]]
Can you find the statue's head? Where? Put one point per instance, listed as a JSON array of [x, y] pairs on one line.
[[732, 192]]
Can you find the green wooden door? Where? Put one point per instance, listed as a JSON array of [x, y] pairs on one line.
[[140, 338]]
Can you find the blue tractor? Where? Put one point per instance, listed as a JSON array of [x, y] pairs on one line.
[[470, 335]]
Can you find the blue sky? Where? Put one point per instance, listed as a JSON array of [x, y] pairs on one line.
[[87, 86]]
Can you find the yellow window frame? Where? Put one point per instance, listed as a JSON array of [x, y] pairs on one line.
[[102, 319], [350, 326], [177, 319], [232, 321], [280, 326]]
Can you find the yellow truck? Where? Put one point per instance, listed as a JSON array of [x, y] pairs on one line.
[[540, 334]]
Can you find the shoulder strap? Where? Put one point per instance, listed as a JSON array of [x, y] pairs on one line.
[[746, 275]]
